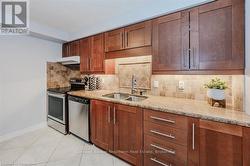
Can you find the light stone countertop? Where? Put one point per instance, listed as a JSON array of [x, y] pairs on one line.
[[187, 107]]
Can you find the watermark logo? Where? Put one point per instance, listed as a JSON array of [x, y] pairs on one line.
[[14, 17]]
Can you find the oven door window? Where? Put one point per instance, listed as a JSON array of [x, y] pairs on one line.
[[56, 108]]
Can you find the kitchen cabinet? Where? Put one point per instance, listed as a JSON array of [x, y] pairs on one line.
[[114, 40], [137, 35], [193, 142], [128, 133], [71, 49], [170, 43], [165, 139], [207, 39], [118, 129], [92, 54], [97, 54], [85, 51], [217, 36], [220, 144], [102, 124]]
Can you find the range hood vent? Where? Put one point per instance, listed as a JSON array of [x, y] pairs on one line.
[[72, 60]]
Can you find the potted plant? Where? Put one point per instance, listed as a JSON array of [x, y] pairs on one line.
[[216, 89]]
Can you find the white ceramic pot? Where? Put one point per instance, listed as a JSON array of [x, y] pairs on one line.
[[216, 94]]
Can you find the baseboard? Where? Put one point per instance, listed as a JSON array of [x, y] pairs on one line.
[[22, 131]]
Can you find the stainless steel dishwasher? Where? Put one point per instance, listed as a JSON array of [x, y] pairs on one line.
[[79, 117]]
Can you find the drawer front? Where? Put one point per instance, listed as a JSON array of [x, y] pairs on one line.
[[162, 118], [166, 133], [152, 160], [165, 150]]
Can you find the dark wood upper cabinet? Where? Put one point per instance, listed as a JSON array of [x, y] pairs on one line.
[[92, 54], [202, 39], [114, 40], [102, 124], [97, 54], [128, 132], [220, 144], [85, 52], [217, 36], [71, 49], [168, 46], [134, 36], [138, 35]]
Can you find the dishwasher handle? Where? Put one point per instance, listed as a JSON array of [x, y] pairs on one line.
[[79, 99]]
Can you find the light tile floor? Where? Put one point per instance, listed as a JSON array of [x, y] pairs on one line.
[[47, 147]]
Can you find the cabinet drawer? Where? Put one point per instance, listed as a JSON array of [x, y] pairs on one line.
[[153, 160], [164, 149], [166, 119], [166, 133]]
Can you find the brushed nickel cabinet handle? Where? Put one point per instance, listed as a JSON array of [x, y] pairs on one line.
[[184, 54], [193, 61], [109, 114], [114, 116], [193, 136], [162, 134], [163, 149], [161, 119], [159, 162]]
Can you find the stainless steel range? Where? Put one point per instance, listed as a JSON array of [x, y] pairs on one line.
[[57, 109]]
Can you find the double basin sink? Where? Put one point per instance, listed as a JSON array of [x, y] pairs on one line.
[[125, 96]]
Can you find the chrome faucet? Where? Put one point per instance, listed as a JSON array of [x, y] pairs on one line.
[[133, 84]]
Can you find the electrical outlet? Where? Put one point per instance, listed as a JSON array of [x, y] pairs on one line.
[[156, 84], [181, 85]]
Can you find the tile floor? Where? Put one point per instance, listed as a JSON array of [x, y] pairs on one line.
[[47, 147]]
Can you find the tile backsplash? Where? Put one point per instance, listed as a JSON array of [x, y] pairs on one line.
[[168, 84], [59, 75]]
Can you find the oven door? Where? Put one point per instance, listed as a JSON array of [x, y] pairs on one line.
[[56, 107]]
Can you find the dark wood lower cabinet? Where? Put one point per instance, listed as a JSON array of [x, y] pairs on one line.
[[101, 124], [167, 139], [193, 142], [118, 129], [128, 133], [220, 144]]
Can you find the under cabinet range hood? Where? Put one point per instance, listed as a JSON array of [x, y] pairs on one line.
[[71, 60]]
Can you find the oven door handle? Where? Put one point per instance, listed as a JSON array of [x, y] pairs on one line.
[[62, 96]]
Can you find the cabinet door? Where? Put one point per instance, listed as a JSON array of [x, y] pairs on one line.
[[193, 142], [220, 144], [168, 43], [128, 133], [74, 48], [219, 44], [101, 124], [85, 51], [97, 54], [138, 35], [65, 49], [114, 40]]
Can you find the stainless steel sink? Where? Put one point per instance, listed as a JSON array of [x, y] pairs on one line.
[[120, 96], [136, 98], [125, 96]]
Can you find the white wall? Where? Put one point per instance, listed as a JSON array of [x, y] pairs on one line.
[[23, 81], [247, 78]]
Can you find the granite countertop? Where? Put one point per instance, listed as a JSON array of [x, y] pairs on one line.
[[187, 107]]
